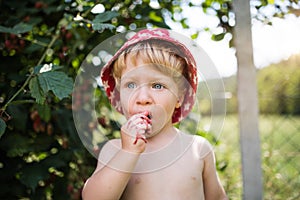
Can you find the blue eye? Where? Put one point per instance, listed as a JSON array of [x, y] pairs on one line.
[[157, 86], [131, 85]]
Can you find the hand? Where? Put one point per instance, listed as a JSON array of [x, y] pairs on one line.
[[133, 132]]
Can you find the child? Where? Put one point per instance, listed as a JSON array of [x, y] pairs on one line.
[[152, 81]]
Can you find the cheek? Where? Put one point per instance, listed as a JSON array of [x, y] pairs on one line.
[[164, 110], [159, 119], [127, 100]]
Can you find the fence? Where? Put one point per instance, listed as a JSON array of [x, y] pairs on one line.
[[279, 129]]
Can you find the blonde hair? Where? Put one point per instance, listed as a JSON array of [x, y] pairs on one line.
[[166, 56]]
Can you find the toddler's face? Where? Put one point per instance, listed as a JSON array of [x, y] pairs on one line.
[[143, 87]]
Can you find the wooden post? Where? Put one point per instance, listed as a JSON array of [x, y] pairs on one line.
[[247, 103]]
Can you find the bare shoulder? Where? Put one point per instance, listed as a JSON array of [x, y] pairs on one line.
[[203, 143], [200, 145]]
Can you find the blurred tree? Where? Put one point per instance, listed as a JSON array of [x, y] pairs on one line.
[[278, 87]]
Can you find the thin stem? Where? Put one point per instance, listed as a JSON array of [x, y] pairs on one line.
[[54, 38], [18, 92], [22, 101]]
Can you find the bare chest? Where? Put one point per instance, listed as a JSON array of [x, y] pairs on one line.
[[179, 180]]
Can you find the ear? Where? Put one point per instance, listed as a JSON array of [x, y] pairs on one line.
[[180, 99], [178, 104], [117, 82]]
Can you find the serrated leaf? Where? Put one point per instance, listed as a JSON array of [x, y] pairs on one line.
[[57, 82], [36, 91], [101, 26], [103, 17], [2, 127], [17, 29]]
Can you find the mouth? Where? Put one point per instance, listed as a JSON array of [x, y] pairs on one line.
[[147, 118], [148, 115], [145, 113]]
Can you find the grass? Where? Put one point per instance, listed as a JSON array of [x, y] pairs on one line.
[[280, 151]]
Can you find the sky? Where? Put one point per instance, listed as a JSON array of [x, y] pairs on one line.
[[271, 44]]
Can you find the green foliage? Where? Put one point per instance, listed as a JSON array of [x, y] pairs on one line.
[[46, 79], [36, 91], [98, 24], [42, 46], [223, 9], [58, 82], [106, 16], [278, 88]]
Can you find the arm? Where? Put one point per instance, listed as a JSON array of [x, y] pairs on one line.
[[213, 189], [111, 176], [109, 183]]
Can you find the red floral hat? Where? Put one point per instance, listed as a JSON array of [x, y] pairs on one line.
[[109, 83]]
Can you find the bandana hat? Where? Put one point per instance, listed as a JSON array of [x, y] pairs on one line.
[[154, 34]]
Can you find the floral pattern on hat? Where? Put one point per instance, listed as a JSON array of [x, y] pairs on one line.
[[109, 83]]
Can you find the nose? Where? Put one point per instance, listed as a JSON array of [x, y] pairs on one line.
[[143, 96]]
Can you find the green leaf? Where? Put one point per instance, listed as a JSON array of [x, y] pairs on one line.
[[218, 37], [17, 29], [2, 127], [31, 48], [195, 35], [58, 82], [36, 91], [154, 17], [101, 26], [4, 29], [22, 28], [106, 16], [49, 80], [44, 112]]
